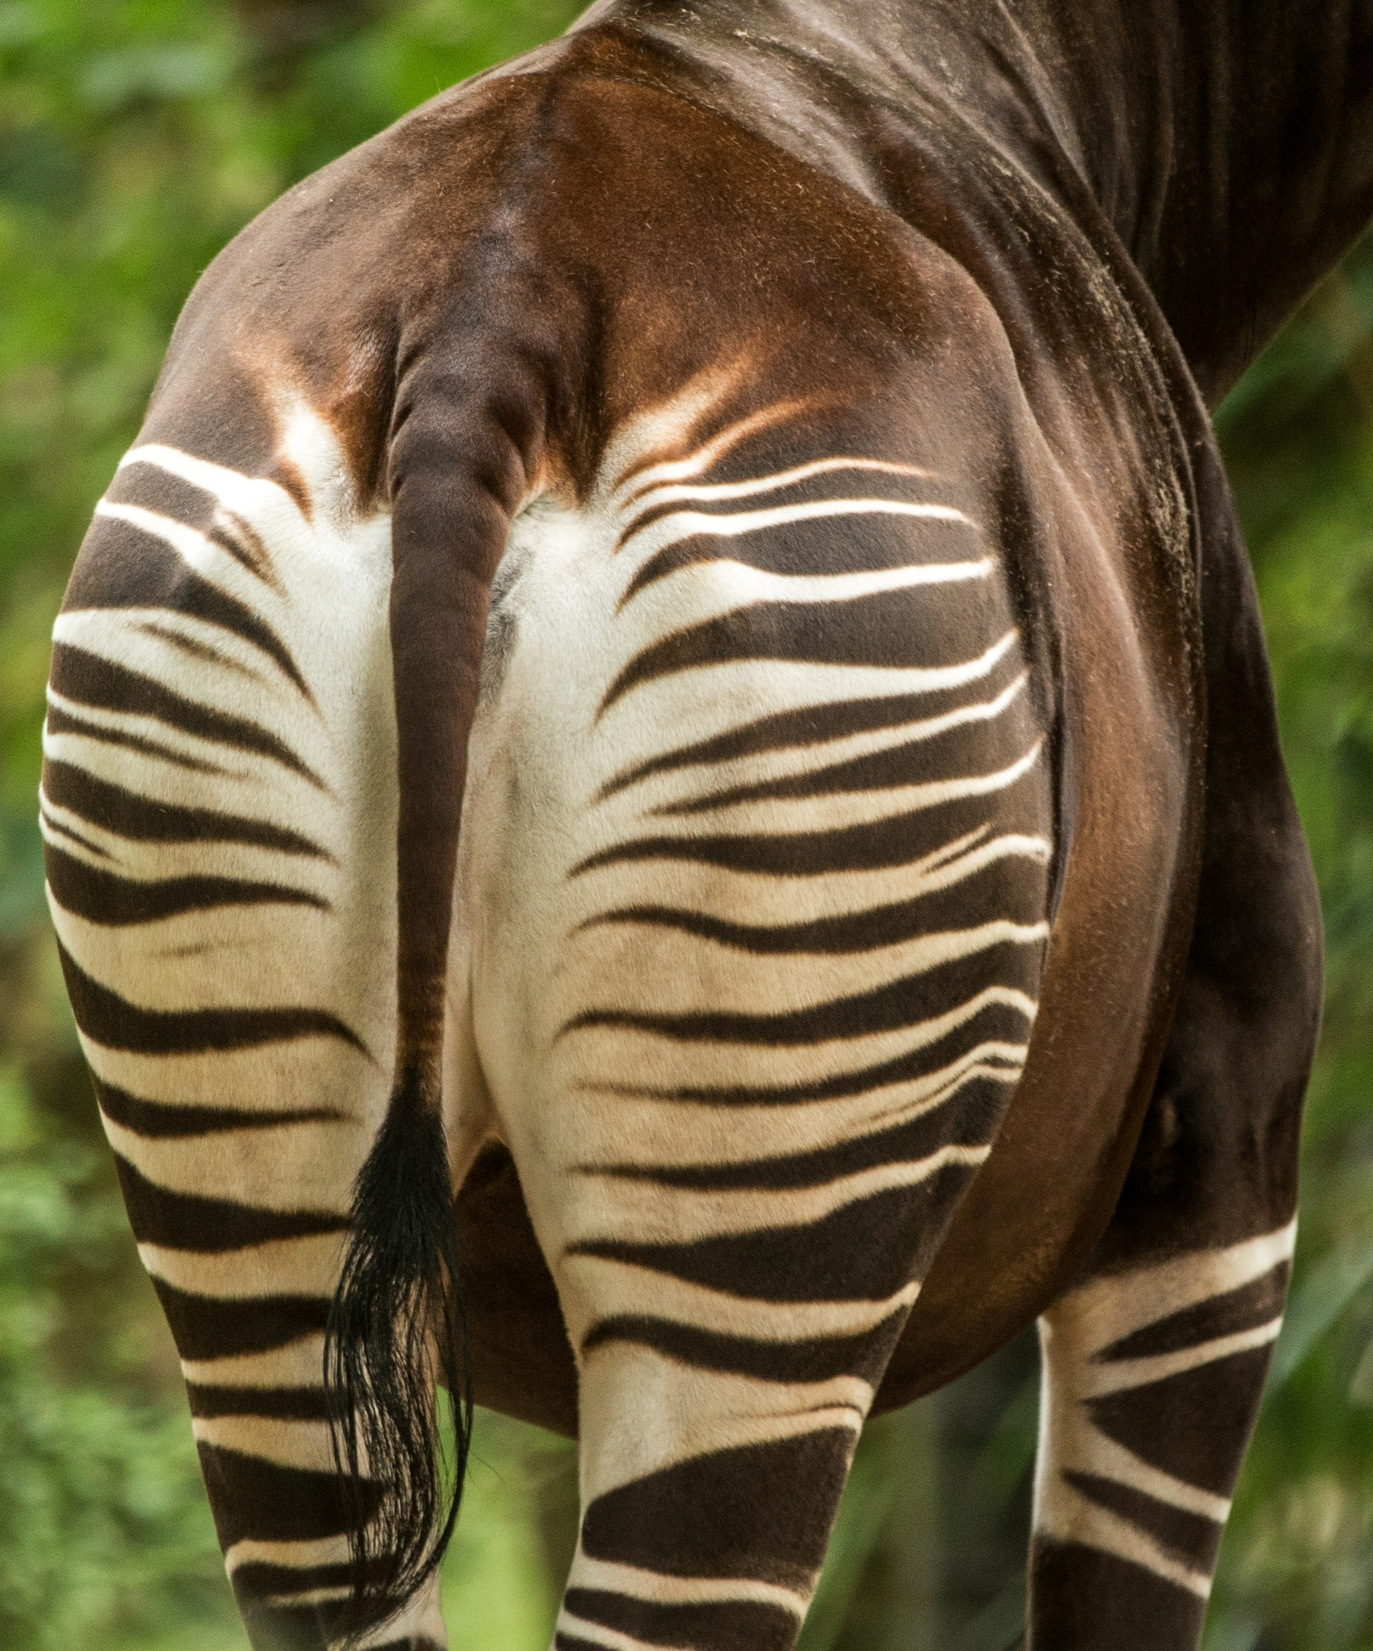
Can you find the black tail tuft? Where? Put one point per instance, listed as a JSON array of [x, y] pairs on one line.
[[396, 1326]]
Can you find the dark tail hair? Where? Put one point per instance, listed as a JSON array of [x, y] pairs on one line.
[[396, 1326]]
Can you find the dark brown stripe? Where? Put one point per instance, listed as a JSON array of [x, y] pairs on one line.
[[104, 898], [817, 1360], [971, 748], [146, 820], [867, 1250], [210, 1226], [972, 1122], [58, 829], [115, 1023], [62, 722], [1252, 1305], [1194, 1425], [213, 1327], [141, 482], [898, 840], [867, 542], [1013, 889], [816, 725], [260, 1501], [760, 1512], [725, 1625], [890, 1008], [284, 1404], [89, 680], [1081, 1596], [259, 1580], [1189, 1537], [157, 1121], [123, 565], [893, 629], [996, 1023]]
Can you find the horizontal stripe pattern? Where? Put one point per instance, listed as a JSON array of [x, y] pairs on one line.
[[218, 814], [761, 791], [1153, 1380]]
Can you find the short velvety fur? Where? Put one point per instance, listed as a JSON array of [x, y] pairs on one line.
[[675, 635]]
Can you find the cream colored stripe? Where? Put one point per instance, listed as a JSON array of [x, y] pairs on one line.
[[1089, 1450], [288, 1266], [298, 1364], [780, 817], [709, 589], [637, 1583], [1108, 1309], [682, 1412], [1098, 1527], [757, 768], [1095, 1380], [620, 1288], [301, 1445], [691, 974], [329, 1550], [667, 492], [644, 1212]]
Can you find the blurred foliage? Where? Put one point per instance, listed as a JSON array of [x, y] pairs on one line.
[[136, 136]]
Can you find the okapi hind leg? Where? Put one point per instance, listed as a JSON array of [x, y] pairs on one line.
[[1154, 1364]]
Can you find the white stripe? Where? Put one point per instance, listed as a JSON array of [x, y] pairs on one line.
[[666, 492], [1095, 1380], [684, 783], [677, 470], [683, 524], [728, 585], [1094, 1452], [611, 1638], [647, 1213], [619, 1288], [328, 1550], [1100, 1528], [637, 1583], [781, 817]]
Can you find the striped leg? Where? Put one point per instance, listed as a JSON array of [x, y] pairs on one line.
[[1152, 1379], [220, 845], [1154, 1365]]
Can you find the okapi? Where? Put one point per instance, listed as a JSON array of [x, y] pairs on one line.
[[674, 655]]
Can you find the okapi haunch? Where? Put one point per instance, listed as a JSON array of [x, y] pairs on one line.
[[663, 803]]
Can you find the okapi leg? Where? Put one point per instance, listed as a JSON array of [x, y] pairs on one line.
[[222, 887], [1154, 1364]]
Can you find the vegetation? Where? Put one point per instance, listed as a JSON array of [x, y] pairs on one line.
[[135, 137]]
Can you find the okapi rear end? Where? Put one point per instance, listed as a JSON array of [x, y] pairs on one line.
[[625, 786]]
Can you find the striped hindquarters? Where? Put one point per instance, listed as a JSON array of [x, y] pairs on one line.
[[759, 835], [219, 815]]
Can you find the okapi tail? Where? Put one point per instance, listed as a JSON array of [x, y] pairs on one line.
[[396, 1326]]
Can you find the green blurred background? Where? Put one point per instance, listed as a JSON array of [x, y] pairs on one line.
[[136, 136]]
